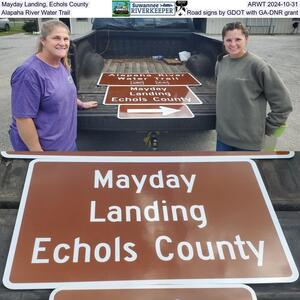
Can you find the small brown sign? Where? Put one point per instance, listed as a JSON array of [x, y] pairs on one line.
[[147, 79], [143, 95], [154, 112], [228, 292], [137, 221]]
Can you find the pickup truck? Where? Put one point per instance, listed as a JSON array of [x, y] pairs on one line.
[[133, 46], [281, 179]]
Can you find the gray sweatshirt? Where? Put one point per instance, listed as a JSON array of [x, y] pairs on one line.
[[244, 86]]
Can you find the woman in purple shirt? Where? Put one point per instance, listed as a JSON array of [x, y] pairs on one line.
[[44, 96]]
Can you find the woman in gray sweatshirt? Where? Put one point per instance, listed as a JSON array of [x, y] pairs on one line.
[[245, 84]]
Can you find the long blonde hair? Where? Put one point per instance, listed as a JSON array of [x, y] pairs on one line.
[[46, 29]]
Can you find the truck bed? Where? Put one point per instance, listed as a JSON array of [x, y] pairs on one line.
[[89, 91], [128, 45]]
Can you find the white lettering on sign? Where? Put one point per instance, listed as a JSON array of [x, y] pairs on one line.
[[79, 251], [149, 91], [36, 249], [129, 100], [166, 246], [156, 212], [56, 254], [128, 75], [185, 251], [144, 75], [173, 100], [138, 99], [156, 181], [218, 250]]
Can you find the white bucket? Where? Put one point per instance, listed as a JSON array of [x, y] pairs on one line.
[[184, 55]]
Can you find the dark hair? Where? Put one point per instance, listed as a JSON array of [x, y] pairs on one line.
[[230, 27], [233, 26]]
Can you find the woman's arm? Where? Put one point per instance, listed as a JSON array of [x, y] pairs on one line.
[[278, 98], [28, 134]]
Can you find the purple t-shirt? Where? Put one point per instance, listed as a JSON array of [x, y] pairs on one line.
[[47, 95]]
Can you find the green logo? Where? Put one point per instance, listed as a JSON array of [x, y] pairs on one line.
[[120, 8]]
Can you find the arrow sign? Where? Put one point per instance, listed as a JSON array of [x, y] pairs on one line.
[[154, 112], [165, 111]]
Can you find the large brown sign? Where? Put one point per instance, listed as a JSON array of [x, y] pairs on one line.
[[147, 79], [135, 221], [228, 292], [133, 95]]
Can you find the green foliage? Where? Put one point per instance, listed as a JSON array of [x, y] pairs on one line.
[[15, 27], [30, 26]]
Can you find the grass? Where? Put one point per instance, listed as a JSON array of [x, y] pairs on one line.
[[15, 27]]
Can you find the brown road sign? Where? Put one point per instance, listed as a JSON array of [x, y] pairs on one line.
[[228, 292], [133, 95], [154, 112], [147, 79], [137, 221]]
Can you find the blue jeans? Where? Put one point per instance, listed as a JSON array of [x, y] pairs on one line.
[[224, 147]]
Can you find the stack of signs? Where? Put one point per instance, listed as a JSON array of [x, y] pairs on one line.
[[150, 95], [146, 222]]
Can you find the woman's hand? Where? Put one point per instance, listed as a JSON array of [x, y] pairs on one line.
[[86, 105]]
